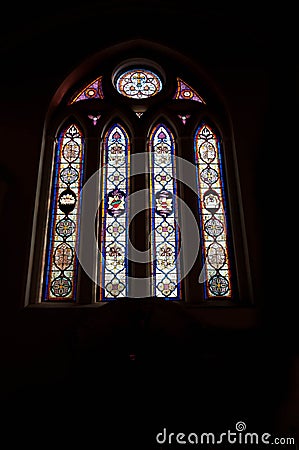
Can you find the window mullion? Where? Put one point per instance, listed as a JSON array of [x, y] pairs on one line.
[[87, 287], [192, 287], [139, 264]]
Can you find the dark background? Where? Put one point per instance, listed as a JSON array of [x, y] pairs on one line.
[[71, 372]]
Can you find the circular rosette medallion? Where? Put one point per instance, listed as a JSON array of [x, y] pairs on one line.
[[115, 229], [61, 286], [166, 287], [213, 227], [69, 175], [116, 288], [65, 227], [116, 202], [209, 176], [163, 178], [218, 285], [164, 203]]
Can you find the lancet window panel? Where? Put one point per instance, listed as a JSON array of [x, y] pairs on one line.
[[113, 264], [213, 213], [165, 267], [60, 278]]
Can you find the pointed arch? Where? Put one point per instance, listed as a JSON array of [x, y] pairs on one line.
[[141, 124], [60, 275]]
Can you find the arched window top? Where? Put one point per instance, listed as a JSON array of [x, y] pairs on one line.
[[162, 137], [136, 84], [168, 132]]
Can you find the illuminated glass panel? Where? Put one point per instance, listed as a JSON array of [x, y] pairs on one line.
[[61, 263], [212, 211], [184, 117], [186, 92], [114, 226], [92, 90], [138, 83], [165, 240]]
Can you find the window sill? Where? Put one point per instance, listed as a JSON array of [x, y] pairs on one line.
[[209, 315]]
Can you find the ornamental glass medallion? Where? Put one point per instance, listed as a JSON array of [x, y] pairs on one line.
[[114, 219], [61, 262], [165, 241], [138, 83], [212, 212]]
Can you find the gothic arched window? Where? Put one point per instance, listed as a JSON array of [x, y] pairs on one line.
[[157, 142]]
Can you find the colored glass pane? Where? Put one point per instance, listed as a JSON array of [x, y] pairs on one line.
[[184, 117], [138, 84], [114, 220], [165, 243], [186, 92], [212, 211], [61, 263], [92, 90]]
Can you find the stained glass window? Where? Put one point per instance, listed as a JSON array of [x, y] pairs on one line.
[[114, 217], [213, 213], [61, 263], [92, 90], [138, 83], [75, 159], [186, 92], [165, 239]]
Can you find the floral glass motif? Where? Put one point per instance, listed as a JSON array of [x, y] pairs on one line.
[[92, 90], [212, 211], [61, 262], [114, 226], [186, 92], [165, 242], [138, 83], [184, 117]]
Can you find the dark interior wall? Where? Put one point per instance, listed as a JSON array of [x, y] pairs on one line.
[[244, 371]]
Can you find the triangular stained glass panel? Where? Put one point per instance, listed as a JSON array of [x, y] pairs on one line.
[[186, 92], [92, 90]]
